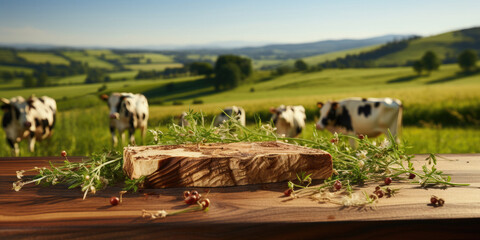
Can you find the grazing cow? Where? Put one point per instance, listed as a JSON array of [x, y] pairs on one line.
[[289, 120], [371, 117], [234, 112], [128, 111], [33, 119]]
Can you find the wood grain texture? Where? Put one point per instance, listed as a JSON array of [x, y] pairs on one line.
[[243, 212], [224, 164]]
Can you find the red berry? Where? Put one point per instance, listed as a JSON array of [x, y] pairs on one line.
[[205, 203], [114, 201], [195, 193], [377, 188], [433, 200], [288, 192], [379, 194], [411, 176], [186, 194], [360, 136], [333, 140], [337, 185], [440, 202], [192, 199], [64, 153], [388, 180]]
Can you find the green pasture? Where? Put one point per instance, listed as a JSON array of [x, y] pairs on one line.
[[314, 60], [43, 57], [202, 57], [7, 56], [13, 69], [85, 131], [442, 45], [91, 60], [445, 95], [153, 66]]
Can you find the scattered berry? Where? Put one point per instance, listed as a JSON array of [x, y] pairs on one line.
[[192, 199], [64, 153], [186, 194], [440, 202], [333, 140], [377, 188], [360, 136], [288, 192], [379, 194], [205, 203], [337, 185], [433, 200], [373, 196], [114, 201], [411, 176], [388, 180], [195, 193]]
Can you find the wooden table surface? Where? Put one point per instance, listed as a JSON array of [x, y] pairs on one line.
[[253, 212]]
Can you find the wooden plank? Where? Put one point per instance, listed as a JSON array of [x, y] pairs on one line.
[[253, 211], [224, 164]]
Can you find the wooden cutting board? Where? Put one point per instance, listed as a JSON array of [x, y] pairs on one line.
[[224, 164]]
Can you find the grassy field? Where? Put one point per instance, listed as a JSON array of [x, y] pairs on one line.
[[314, 60], [15, 69], [444, 95], [40, 57], [91, 60], [7, 56], [153, 66], [442, 45]]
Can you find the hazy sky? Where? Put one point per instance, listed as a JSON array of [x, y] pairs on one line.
[[179, 22]]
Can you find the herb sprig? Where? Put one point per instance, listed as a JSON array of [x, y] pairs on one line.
[[368, 161]]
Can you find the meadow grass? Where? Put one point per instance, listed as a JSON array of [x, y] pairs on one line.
[[316, 59], [153, 66], [42, 57], [12, 69], [91, 60]]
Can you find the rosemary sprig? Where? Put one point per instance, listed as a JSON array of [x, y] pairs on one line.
[[368, 161]]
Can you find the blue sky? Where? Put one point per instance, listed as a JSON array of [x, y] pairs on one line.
[[182, 22]]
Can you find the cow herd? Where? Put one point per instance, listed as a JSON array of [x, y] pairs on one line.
[[34, 118]]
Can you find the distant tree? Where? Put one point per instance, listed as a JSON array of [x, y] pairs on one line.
[[7, 76], [42, 80], [468, 60], [228, 76], [230, 70], [283, 69], [300, 65], [28, 81], [430, 61], [244, 64], [95, 76], [201, 68], [418, 67]]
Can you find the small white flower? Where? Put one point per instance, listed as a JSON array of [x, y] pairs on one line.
[[362, 154], [361, 163], [54, 181], [20, 174], [17, 185], [352, 200], [162, 214], [385, 144], [93, 190]]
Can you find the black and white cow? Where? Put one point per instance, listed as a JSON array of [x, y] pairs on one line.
[[289, 120], [371, 117], [235, 112], [31, 119], [128, 111]]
